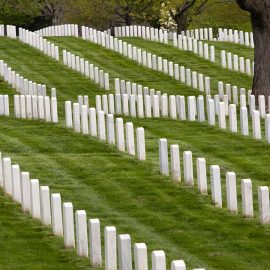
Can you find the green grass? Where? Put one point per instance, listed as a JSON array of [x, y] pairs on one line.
[[25, 244], [157, 80], [225, 14], [240, 50], [194, 62], [150, 207]]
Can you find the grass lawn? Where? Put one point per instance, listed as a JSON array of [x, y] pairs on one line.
[[144, 204]]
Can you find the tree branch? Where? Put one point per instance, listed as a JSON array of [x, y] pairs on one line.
[[186, 6], [173, 15], [256, 6]]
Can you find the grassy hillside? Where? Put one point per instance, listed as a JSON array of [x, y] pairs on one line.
[[117, 188], [225, 15]]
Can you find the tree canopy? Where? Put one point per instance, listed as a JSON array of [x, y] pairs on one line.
[[104, 14], [18, 12]]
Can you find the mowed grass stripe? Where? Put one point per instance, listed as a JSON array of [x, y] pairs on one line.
[[25, 244], [163, 125], [79, 47], [121, 67], [195, 63], [240, 50], [161, 200], [98, 54], [39, 68], [143, 204]]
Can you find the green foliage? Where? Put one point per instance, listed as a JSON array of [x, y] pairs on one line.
[[18, 12], [104, 14], [211, 13], [88, 12], [226, 15]]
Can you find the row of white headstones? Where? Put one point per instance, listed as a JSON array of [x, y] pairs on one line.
[[141, 102], [59, 30], [73, 61], [79, 67], [236, 36], [141, 31], [39, 43], [20, 108], [113, 131], [152, 61], [28, 87], [202, 49], [9, 32], [138, 55], [39, 107], [82, 118], [101, 133], [182, 42], [195, 46], [157, 63], [192, 79], [33, 103], [155, 34], [95, 74], [223, 35], [31, 107], [21, 84], [189, 43], [49, 209], [215, 182], [36, 107], [236, 63]]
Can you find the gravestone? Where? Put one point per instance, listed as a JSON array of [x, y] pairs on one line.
[[163, 157], [110, 248], [140, 256], [56, 209], [201, 176], [247, 197], [124, 252], [231, 192], [95, 243], [45, 205], [81, 233], [188, 168], [216, 185], [175, 162]]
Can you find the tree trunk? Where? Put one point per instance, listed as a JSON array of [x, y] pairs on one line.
[[128, 19], [261, 32], [181, 21], [260, 19]]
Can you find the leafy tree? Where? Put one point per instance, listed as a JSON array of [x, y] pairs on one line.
[[18, 12], [104, 14], [52, 10], [129, 11], [183, 12], [94, 13]]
